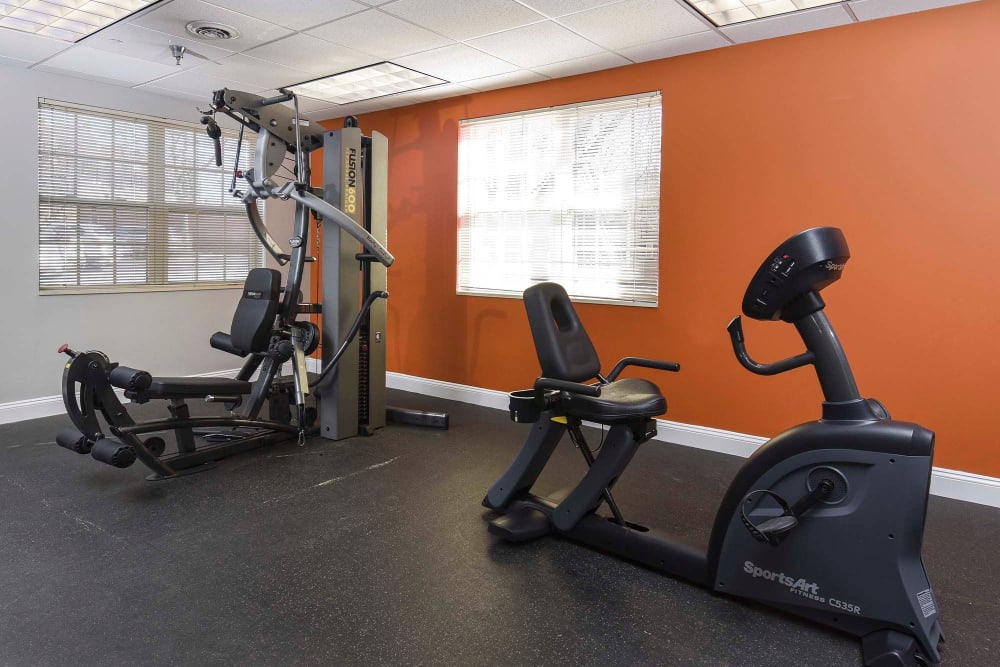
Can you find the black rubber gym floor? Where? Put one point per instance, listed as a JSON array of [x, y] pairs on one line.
[[374, 551]]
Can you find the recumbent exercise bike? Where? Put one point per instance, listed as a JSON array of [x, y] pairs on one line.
[[824, 521]]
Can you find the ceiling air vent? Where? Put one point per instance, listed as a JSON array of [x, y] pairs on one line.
[[208, 30]]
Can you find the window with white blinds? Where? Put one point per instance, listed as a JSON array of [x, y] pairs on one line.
[[130, 202], [568, 194]]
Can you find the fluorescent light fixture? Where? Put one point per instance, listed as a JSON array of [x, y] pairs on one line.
[[68, 20], [727, 12], [365, 83]]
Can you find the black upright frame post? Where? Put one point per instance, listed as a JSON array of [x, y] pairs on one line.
[[356, 180], [343, 178], [376, 204], [834, 373]]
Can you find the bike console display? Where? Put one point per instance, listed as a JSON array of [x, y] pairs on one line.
[[805, 263]]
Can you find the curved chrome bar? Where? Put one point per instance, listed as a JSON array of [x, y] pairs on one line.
[[272, 247], [335, 215]]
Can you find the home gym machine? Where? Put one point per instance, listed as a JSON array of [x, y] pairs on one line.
[[266, 329], [824, 521], [355, 179]]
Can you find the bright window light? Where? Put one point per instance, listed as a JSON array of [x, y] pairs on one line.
[[569, 194], [365, 83], [68, 20], [727, 12]]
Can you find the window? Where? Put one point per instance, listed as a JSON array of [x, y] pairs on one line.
[[130, 202], [568, 194]]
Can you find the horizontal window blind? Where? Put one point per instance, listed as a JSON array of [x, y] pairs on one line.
[[129, 202], [569, 194]]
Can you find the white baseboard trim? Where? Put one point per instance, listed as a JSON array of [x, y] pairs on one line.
[[946, 483], [32, 408], [955, 484], [490, 398], [967, 486], [712, 439]]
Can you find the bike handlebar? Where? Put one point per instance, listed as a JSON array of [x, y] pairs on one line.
[[735, 330], [565, 385]]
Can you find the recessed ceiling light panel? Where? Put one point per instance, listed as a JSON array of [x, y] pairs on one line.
[[68, 20], [728, 12], [365, 83]]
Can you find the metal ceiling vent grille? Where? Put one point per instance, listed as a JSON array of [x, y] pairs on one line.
[[207, 30]]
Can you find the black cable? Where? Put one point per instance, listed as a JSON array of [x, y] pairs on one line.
[[365, 307], [596, 450], [236, 162]]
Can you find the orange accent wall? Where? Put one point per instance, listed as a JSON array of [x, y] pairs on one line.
[[888, 129]]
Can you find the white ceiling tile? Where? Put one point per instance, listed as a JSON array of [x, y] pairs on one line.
[[582, 65], [557, 8], [198, 82], [306, 104], [460, 21], [312, 55], [173, 16], [43, 67], [14, 62], [866, 10], [456, 63], [201, 100], [297, 15], [380, 34], [427, 94], [259, 73], [344, 110], [24, 46], [322, 114], [635, 22], [138, 42], [788, 24], [110, 66], [676, 46], [390, 102], [536, 44], [508, 80]]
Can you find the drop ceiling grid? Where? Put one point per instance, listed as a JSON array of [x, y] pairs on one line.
[[510, 16], [361, 22], [515, 41]]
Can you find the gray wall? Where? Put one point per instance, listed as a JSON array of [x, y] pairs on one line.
[[163, 332]]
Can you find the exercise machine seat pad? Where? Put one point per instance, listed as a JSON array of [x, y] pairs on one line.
[[196, 387], [621, 401], [563, 346], [253, 320]]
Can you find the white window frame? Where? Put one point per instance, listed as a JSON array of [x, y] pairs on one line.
[[558, 194], [155, 206]]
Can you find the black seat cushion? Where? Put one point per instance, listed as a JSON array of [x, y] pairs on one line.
[[565, 352], [182, 387], [563, 346], [625, 400], [253, 320]]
